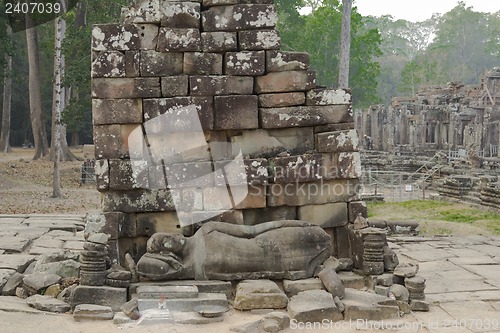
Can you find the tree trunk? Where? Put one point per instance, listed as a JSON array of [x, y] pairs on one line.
[[345, 44], [38, 127], [59, 98], [7, 101], [57, 106]]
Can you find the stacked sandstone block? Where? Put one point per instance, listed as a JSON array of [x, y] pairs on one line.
[[298, 141]]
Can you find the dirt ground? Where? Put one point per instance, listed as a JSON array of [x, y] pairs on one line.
[[26, 186]]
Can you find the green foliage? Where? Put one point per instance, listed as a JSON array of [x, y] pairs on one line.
[[319, 34]]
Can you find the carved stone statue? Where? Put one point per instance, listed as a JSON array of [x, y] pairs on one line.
[[222, 251]]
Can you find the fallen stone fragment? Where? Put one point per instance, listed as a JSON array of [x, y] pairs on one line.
[[47, 303], [281, 318], [121, 318], [259, 294], [9, 289], [385, 280], [332, 282], [131, 309], [98, 238], [38, 281], [53, 290], [400, 292], [418, 305], [313, 306], [92, 312], [406, 270]]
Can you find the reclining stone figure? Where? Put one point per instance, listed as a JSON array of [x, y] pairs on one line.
[[285, 249]]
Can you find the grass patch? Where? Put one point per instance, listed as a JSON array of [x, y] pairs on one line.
[[431, 210]]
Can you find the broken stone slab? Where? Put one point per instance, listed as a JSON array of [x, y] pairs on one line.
[[15, 279], [184, 304], [281, 318], [209, 286], [38, 281], [352, 280], [259, 294], [66, 268], [169, 292], [84, 312], [313, 306], [385, 280], [48, 303], [13, 244], [332, 282], [293, 287], [98, 238], [121, 318], [131, 310], [400, 292], [406, 270], [17, 304], [368, 306], [419, 305], [99, 295]]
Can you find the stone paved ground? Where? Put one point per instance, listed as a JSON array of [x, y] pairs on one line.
[[463, 281]]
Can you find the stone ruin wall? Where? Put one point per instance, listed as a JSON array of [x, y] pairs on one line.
[[448, 117], [222, 56]]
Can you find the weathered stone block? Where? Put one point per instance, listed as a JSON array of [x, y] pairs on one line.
[[117, 224], [357, 208], [259, 294], [229, 216], [161, 63], [328, 97], [180, 14], [239, 17], [301, 116], [236, 112], [262, 143], [102, 295], [138, 201], [132, 63], [220, 85], [217, 198], [143, 11], [83, 312], [313, 306], [332, 282], [281, 100], [291, 169], [314, 193], [334, 127], [108, 64], [177, 147], [108, 37], [111, 141], [181, 40], [101, 170], [259, 40], [219, 41], [116, 111], [178, 113], [173, 86], [293, 287], [128, 175], [192, 174], [261, 215], [126, 88], [251, 63], [341, 166], [279, 61], [192, 199], [150, 223], [335, 142], [256, 172], [197, 63], [285, 82], [326, 216]]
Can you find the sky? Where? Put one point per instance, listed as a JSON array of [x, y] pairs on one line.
[[419, 10]]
